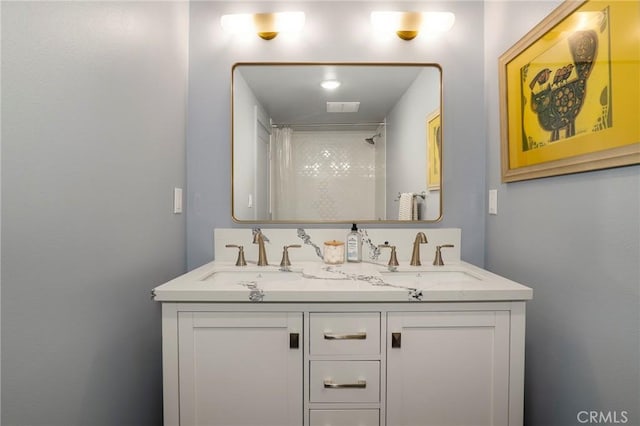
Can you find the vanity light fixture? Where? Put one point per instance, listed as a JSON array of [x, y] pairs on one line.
[[407, 25], [266, 25], [330, 84]]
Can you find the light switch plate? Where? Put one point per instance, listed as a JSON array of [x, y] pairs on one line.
[[493, 201], [177, 200]]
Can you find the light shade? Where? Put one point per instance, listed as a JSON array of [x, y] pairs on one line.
[[407, 25], [266, 25]]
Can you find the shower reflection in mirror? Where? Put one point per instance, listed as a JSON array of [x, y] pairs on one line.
[[344, 164]]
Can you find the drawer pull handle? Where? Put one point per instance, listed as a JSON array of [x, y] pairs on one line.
[[360, 384], [353, 336]]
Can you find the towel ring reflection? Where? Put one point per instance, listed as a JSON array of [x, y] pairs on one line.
[[422, 195]]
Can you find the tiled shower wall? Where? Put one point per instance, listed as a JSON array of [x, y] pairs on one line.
[[336, 177]]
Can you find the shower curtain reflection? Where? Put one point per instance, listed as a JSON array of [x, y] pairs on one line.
[[282, 183]]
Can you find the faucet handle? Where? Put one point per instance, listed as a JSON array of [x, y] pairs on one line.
[[438, 259], [240, 261], [285, 262], [393, 259]]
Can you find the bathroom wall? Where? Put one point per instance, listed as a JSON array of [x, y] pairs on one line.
[[406, 126], [575, 240], [334, 31], [245, 106], [93, 143]]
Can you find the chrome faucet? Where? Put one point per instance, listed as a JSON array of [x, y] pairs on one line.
[[259, 238], [421, 238]]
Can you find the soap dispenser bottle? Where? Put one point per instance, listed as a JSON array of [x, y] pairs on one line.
[[354, 245]]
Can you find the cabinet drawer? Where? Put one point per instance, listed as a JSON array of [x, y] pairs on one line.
[[339, 333], [344, 418], [344, 381]]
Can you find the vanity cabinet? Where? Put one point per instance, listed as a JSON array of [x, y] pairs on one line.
[[345, 368], [240, 368], [342, 345], [448, 368], [343, 364]]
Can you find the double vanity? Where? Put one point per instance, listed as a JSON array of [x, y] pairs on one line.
[[353, 344]]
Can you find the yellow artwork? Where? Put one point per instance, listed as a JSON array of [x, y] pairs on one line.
[[571, 92], [434, 146]]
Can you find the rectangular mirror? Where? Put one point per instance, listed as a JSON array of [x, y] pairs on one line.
[[368, 150]]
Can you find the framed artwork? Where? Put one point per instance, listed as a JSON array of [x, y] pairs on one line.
[[570, 92], [434, 150]]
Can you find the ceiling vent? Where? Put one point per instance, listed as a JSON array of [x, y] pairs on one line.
[[343, 106]]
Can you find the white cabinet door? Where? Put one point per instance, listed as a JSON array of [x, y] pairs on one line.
[[240, 368], [448, 368]]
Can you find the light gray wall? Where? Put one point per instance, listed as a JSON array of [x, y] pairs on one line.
[[407, 149], [334, 31], [93, 143], [245, 143], [576, 241]]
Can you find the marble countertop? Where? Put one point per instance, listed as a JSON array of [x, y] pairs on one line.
[[222, 281]]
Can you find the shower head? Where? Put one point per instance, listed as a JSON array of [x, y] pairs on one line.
[[371, 140]]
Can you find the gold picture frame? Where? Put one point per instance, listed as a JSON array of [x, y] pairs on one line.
[[434, 150], [570, 92]]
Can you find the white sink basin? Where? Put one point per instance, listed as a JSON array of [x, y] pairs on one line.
[[420, 279], [255, 281], [271, 275]]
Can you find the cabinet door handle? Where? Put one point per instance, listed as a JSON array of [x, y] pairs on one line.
[[294, 340], [360, 384], [351, 336], [396, 340]]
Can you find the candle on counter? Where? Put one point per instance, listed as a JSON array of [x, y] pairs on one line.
[[333, 252]]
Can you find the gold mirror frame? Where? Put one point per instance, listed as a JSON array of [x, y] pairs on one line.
[[350, 220]]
